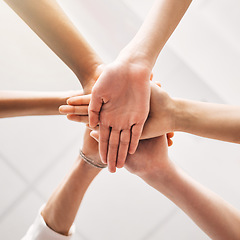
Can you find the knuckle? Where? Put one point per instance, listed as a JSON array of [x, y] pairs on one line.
[[115, 130]]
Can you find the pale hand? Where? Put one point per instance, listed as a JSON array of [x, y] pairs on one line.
[[120, 105], [150, 158], [161, 119]]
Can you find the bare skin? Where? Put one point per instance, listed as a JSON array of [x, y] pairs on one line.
[[48, 20], [150, 162], [126, 80], [217, 218], [29, 103], [119, 96], [131, 70], [217, 121], [62, 207]]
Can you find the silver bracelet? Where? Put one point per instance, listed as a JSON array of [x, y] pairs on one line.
[[91, 162]]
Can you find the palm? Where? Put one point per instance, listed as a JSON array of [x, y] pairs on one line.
[[124, 92], [125, 97]]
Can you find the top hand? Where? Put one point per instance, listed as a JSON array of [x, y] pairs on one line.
[[120, 104]]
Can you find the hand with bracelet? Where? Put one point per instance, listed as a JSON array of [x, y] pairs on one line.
[[119, 131], [150, 162], [120, 98]]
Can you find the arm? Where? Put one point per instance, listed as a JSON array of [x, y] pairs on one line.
[[63, 205], [61, 208], [51, 24], [20, 103], [217, 121], [212, 214], [156, 29], [120, 111], [57, 216]]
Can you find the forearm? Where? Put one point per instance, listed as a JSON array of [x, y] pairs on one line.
[[212, 214], [62, 207], [210, 120], [158, 26], [51, 24], [20, 103]]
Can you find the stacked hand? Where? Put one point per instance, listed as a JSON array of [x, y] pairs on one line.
[[159, 122], [119, 106]]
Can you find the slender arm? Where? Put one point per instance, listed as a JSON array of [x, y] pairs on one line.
[[158, 26], [212, 214], [217, 121], [51, 24], [62, 207], [21, 103]]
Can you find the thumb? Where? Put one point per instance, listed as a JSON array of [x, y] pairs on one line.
[[95, 135]]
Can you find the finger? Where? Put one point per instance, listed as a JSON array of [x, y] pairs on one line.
[[136, 132], [93, 128], [159, 84], [78, 110], [77, 118], [170, 142], [123, 147], [79, 100], [95, 135], [104, 132], [113, 150], [170, 135], [94, 110]]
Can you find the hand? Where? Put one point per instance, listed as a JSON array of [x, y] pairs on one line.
[[161, 119], [92, 78], [120, 104], [151, 156]]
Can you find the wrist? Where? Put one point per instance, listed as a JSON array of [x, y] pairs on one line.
[[88, 168], [132, 55], [89, 76], [163, 108], [162, 177], [181, 117]]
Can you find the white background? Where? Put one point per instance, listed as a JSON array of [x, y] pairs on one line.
[[201, 61]]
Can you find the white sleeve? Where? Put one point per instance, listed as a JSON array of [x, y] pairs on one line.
[[40, 231]]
